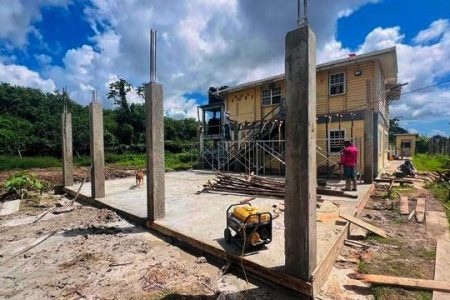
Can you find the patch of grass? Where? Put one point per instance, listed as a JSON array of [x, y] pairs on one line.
[[387, 293], [382, 240], [173, 161], [441, 191], [17, 163], [427, 162]]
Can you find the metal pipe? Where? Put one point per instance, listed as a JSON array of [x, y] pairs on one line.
[[152, 55]]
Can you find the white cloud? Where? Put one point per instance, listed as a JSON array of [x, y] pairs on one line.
[[201, 43], [22, 76], [17, 17], [419, 65], [436, 30]]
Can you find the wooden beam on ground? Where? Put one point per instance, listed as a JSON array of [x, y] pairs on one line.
[[335, 193], [389, 180], [364, 225], [413, 283], [442, 268], [404, 205], [420, 209]]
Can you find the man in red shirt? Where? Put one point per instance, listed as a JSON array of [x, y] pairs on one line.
[[348, 160]]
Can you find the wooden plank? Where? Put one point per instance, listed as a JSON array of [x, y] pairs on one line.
[[437, 225], [364, 225], [411, 215], [404, 205], [320, 274], [414, 283], [321, 191], [278, 277], [442, 268], [420, 209]]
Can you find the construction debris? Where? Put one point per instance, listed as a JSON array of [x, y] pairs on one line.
[[404, 205], [364, 225], [420, 209], [425, 284], [256, 185]]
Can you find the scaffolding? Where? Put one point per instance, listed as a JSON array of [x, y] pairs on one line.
[[259, 147]]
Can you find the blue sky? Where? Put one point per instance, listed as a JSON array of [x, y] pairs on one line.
[[85, 44]]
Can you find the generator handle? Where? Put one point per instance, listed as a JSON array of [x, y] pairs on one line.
[[233, 205]]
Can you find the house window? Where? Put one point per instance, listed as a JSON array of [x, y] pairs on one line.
[[270, 96], [337, 84], [337, 139]]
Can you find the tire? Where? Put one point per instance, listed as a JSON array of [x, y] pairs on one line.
[[227, 235]]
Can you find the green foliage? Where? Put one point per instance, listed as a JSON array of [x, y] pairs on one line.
[[394, 128], [17, 183], [421, 144], [118, 91], [30, 121], [17, 163], [441, 191], [428, 162]]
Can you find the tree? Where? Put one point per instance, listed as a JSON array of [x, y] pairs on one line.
[[394, 128], [422, 144], [118, 91]]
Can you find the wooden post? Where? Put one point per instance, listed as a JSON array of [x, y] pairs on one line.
[[301, 170]]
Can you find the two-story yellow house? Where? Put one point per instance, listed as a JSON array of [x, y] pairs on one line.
[[347, 89]]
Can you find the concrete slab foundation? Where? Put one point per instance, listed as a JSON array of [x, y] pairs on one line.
[[199, 220]]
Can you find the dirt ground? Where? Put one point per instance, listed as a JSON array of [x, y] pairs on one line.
[[407, 252], [53, 176], [95, 254]]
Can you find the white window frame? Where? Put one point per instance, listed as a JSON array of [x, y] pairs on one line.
[[270, 96], [342, 140], [344, 83]]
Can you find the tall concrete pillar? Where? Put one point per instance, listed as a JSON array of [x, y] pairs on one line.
[[67, 150], [368, 146], [154, 137], [301, 173], [97, 150]]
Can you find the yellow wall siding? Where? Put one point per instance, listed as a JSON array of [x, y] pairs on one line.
[[358, 134], [354, 98], [411, 137]]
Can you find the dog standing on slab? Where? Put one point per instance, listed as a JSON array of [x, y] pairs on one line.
[[140, 177]]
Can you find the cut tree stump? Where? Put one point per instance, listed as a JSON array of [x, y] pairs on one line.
[[364, 225], [404, 205], [420, 209]]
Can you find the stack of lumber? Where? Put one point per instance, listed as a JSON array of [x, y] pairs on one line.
[[256, 185]]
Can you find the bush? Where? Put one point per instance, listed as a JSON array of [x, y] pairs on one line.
[[19, 183], [427, 162], [17, 163]]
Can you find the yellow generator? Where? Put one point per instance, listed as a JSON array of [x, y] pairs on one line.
[[252, 227]]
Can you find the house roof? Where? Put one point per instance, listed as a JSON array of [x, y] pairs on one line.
[[386, 57]]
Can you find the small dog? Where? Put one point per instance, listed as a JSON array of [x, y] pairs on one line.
[[139, 177]]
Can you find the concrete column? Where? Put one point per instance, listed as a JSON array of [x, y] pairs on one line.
[[154, 137], [67, 150], [97, 150], [301, 174], [368, 146]]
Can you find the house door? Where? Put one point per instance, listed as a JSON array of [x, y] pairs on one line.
[[406, 147]]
